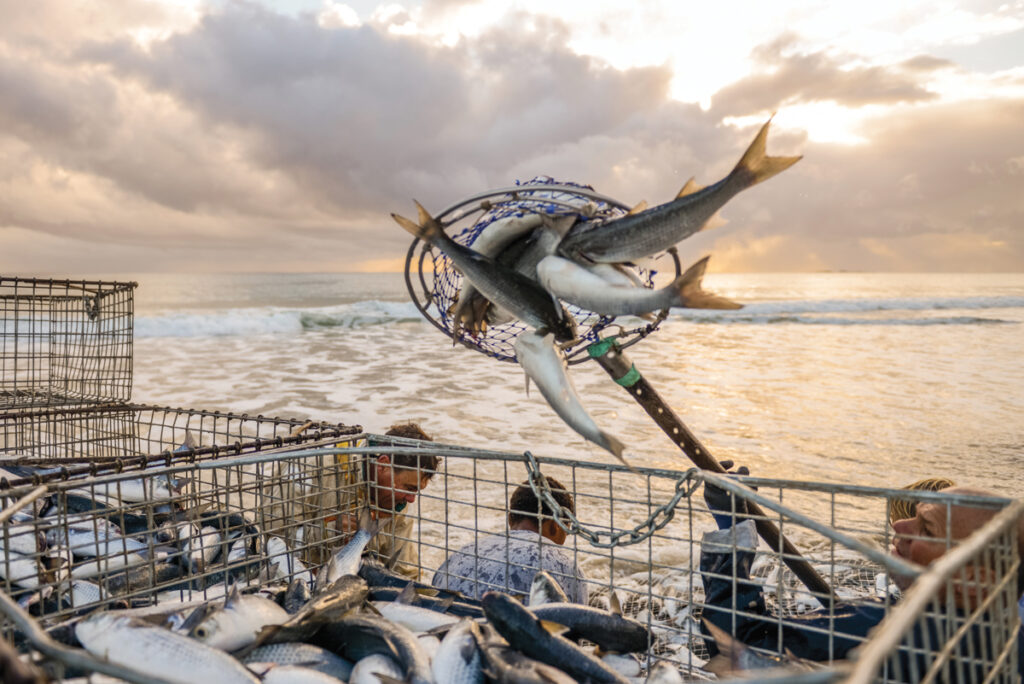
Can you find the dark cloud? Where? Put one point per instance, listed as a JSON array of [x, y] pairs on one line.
[[784, 77]]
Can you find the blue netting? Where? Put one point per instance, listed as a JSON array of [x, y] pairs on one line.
[[441, 282]]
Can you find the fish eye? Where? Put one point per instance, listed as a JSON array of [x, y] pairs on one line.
[[202, 632]]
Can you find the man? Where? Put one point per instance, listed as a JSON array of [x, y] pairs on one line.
[[818, 635], [509, 562], [317, 509]]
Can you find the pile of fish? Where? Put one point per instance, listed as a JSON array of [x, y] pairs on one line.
[[360, 621], [92, 545], [525, 267]]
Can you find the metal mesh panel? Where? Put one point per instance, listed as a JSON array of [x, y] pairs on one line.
[[65, 341], [267, 518]]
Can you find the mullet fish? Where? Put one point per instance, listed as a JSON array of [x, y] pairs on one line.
[[578, 285], [649, 232], [514, 292], [544, 365]]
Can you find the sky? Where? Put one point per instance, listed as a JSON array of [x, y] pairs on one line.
[[260, 136]]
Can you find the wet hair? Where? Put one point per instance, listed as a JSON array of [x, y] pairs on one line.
[[426, 463], [524, 504]]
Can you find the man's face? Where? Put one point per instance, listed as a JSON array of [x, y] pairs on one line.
[[930, 533], [396, 488]]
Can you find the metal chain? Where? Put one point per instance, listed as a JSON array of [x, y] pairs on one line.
[[686, 485]]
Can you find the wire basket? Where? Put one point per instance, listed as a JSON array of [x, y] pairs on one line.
[[647, 526], [435, 284], [60, 443], [65, 341]]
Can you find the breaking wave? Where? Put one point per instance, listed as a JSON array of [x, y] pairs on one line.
[[264, 321], [267, 320]]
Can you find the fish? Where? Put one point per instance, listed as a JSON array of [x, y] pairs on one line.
[[664, 672], [402, 611], [334, 603], [609, 631], [203, 547], [296, 596], [347, 559], [546, 589], [271, 673], [525, 633], [577, 285], [145, 648], [521, 296], [469, 608], [458, 658], [307, 655], [370, 669], [546, 366], [734, 656], [144, 489], [489, 242], [238, 622], [358, 636], [649, 232], [508, 666]]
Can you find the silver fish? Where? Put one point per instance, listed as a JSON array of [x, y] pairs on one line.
[[346, 560], [663, 672], [577, 285], [236, 624], [524, 298], [146, 648], [544, 365], [649, 232], [310, 656], [546, 589], [271, 673], [491, 240], [368, 669], [458, 658]]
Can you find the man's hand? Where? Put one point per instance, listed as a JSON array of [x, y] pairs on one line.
[[720, 502]]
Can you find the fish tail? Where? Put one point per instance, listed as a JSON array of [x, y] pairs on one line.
[[428, 229], [367, 523], [692, 296], [616, 447], [755, 166]]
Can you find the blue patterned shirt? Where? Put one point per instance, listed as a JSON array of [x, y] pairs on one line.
[[509, 564]]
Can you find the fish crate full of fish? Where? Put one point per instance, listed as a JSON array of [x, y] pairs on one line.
[[248, 560], [65, 342]]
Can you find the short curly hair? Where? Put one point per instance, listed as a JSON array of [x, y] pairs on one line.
[[427, 463], [524, 504]]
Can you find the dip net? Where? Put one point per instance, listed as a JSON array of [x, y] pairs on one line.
[[435, 284]]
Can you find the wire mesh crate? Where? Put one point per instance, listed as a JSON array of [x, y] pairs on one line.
[[65, 341], [261, 519]]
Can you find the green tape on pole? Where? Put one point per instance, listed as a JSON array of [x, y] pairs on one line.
[[601, 348], [630, 378]]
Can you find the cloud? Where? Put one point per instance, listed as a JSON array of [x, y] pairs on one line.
[[784, 77], [247, 140]]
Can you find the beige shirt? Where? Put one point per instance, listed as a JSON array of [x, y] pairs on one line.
[[314, 503]]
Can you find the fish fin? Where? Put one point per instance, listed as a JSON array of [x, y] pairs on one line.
[[387, 679], [408, 594], [728, 646], [559, 225], [647, 316], [556, 628], [233, 597], [616, 447], [190, 440], [445, 604], [614, 605], [392, 560], [692, 296], [527, 383], [690, 188], [179, 485], [640, 206], [755, 166]]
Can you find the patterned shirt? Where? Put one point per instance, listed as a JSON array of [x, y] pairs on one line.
[[508, 563]]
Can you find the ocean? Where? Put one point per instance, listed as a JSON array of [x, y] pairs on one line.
[[860, 378]]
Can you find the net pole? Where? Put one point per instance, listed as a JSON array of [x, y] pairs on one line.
[[611, 358]]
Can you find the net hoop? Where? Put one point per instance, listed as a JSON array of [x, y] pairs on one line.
[[434, 283]]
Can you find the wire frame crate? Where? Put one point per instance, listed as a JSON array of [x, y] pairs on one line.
[[65, 341], [268, 517], [58, 443]]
